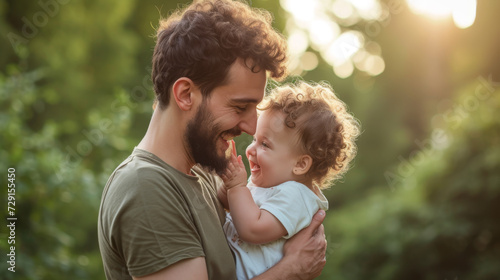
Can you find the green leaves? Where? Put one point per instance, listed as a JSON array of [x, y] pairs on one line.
[[441, 223]]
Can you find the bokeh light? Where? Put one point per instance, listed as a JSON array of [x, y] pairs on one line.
[[309, 61], [323, 31], [326, 27], [329, 28], [462, 11]]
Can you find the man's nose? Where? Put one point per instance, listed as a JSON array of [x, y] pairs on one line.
[[249, 123]]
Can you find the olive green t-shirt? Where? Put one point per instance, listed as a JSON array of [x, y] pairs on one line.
[[152, 216]]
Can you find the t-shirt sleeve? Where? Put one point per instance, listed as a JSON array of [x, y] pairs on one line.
[[156, 228], [293, 206]]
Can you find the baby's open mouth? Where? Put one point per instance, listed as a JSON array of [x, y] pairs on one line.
[[253, 166]]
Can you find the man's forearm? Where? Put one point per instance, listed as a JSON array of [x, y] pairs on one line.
[[283, 270]]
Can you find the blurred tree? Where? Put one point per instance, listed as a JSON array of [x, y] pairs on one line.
[[57, 192], [65, 117], [439, 222]]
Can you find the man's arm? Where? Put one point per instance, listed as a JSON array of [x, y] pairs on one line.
[[304, 258], [188, 269], [304, 254]]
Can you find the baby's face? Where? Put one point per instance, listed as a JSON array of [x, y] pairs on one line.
[[272, 154]]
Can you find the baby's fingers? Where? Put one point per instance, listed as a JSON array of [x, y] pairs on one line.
[[224, 177], [234, 160], [240, 162], [230, 167], [234, 147]]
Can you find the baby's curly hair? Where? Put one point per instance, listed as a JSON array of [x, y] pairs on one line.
[[325, 130], [204, 39]]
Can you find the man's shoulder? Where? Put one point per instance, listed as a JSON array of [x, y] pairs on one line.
[[139, 170], [144, 188], [138, 178]]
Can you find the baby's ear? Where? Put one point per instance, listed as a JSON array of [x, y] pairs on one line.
[[302, 165]]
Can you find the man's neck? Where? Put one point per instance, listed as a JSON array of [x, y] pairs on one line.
[[165, 139]]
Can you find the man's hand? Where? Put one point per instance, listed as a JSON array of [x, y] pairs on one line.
[[303, 254], [235, 174], [307, 249]]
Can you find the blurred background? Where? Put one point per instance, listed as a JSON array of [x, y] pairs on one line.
[[422, 200]]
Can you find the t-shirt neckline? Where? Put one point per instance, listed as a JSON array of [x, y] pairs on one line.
[[143, 153]]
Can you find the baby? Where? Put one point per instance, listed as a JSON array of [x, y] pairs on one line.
[[303, 142]]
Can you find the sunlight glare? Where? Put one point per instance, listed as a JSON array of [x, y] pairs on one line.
[[464, 13], [367, 9], [323, 31], [344, 47], [342, 9], [432, 8], [297, 42], [303, 11]]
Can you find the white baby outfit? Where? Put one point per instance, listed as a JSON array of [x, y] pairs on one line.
[[293, 204]]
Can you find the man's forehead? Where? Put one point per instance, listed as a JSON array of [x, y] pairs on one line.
[[243, 83]]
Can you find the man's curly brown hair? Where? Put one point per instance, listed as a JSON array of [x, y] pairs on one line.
[[203, 40], [325, 130]]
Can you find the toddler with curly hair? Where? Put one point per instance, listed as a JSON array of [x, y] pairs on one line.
[[303, 142]]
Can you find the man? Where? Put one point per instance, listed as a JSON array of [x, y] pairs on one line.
[[159, 216]]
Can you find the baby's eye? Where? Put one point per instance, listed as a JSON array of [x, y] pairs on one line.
[[264, 144]]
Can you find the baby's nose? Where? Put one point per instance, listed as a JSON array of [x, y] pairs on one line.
[[251, 150]]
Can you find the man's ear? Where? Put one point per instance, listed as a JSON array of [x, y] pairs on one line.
[[302, 165], [182, 91]]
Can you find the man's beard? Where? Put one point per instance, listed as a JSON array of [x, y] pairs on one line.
[[202, 134]]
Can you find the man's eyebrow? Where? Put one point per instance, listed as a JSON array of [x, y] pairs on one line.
[[245, 100]]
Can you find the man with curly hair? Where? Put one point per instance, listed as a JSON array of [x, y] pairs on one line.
[[159, 216]]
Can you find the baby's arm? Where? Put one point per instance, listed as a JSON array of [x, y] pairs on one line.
[[253, 224]]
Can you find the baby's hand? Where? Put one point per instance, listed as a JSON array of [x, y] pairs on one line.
[[235, 174]]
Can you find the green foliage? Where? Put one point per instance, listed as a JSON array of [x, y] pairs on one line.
[[438, 223], [66, 125], [58, 186], [46, 234]]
